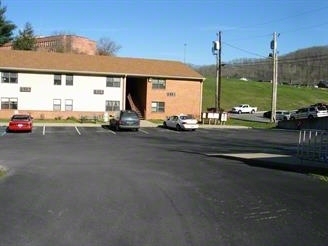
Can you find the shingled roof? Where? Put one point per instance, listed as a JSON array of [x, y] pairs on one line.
[[33, 61]]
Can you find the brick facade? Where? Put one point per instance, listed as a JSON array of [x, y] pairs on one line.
[[64, 44]]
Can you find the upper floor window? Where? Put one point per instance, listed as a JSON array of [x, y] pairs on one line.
[[8, 77], [158, 83], [69, 79], [57, 79], [113, 82]]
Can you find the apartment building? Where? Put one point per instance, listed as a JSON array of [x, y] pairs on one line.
[[50, 85]]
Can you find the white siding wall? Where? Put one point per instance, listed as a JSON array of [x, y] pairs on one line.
[[43, 91]]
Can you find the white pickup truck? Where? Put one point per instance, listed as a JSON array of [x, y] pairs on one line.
[[244, 109]]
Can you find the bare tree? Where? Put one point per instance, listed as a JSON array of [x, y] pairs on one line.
[[107, 47]]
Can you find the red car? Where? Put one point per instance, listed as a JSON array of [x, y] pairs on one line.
[[20, 122]]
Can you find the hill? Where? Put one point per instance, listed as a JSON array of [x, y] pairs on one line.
[[235, 91], [303, 67]]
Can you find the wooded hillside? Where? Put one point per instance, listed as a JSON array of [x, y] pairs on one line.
[[303, 67]]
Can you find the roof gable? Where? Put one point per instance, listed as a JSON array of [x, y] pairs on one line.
[[91, 64]]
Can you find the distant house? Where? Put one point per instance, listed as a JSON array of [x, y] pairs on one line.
[[50, 85]]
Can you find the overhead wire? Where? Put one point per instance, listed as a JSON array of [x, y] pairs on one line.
[[284, 32]]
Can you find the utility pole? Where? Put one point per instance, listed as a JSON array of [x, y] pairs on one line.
[[219, 75], [216, 50], [274, 77]]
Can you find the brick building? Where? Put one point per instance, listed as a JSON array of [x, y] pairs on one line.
[[50, 85], [62, 43]]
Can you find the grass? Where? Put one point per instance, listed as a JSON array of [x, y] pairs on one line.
[[235, 91], [2, 171]]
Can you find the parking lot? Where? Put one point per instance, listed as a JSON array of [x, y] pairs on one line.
[[77, 185]]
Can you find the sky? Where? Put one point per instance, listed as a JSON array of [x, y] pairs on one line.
[[181, 30]]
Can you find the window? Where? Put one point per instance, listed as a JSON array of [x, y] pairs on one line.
[[9, 103], [158, 107], [69, 79], [158, 83], [112, 105], [56, 104], [98, 92], [68, 105], [25, 89], [8, 77], [113, 82], [57, 79]]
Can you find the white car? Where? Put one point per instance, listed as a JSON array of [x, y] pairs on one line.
[[181, 122], [309, 113]]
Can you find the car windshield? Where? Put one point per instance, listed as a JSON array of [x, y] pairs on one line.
[[20, 117], [129, 115]]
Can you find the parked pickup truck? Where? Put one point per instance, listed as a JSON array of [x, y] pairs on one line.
[[244, 109]]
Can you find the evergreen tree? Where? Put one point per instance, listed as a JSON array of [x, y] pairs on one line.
[[6, 27], [26, 39]]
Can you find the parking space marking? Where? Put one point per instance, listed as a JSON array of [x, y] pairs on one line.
[[169, 130], [143, 131], [108, 131], [44, 130], [78, 132]]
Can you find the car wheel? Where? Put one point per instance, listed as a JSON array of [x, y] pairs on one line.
[[164, 124], [253, 111], [178, 127], [239, 112], [137, 129], [292, 118], [193, 130], [310, 116], [117, 128]]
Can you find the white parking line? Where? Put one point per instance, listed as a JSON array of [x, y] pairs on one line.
[[145, 132], [78, 132], [44, 130]]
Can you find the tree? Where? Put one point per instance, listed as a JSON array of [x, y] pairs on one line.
[[107, 47], [6, 27], [26, 39]]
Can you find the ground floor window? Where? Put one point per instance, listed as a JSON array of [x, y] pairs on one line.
[[9, 103], [57, 104], [158, 107], [112, 105], [68, 105]]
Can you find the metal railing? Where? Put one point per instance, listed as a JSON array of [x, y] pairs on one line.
[[313, 145]]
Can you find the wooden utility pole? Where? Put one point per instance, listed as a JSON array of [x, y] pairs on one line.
[[274, 77]]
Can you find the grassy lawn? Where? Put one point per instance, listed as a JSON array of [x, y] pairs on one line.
[[258, 94]]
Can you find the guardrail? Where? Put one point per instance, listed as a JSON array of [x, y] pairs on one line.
[[313, 145]]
